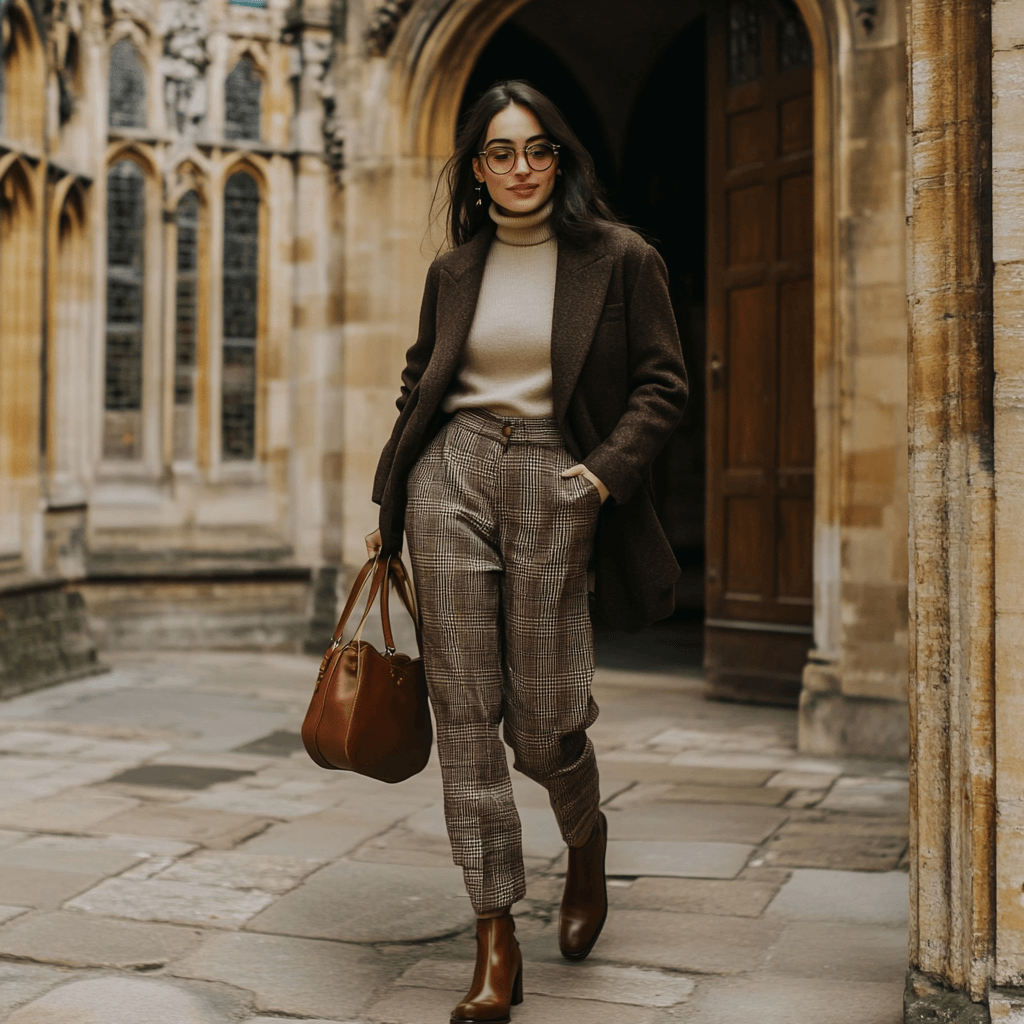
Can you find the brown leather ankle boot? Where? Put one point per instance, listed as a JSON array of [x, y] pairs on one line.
[[585, 900], [498, 976]]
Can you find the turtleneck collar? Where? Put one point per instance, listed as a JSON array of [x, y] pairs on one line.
[[531, 229]]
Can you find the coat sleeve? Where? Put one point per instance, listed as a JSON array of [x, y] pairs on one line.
[[657, 381], [416, 360]]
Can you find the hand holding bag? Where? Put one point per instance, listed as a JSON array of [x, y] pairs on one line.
[[369, 711]]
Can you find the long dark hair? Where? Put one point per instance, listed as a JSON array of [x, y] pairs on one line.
[[579, 203]]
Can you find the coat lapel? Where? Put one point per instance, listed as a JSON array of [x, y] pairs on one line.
[[458, 291], [581, 283]]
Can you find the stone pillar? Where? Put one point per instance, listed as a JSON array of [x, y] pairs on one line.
[[953, 927]]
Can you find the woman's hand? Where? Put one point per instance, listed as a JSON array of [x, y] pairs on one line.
[[373, 543], [580, 470]]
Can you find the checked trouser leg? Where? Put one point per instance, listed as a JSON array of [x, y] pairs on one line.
[[499, 544]]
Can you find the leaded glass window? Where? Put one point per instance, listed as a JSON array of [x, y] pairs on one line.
[[126, 212], [744, 41], [127, 87], [185, 324], [241, 282], [794, 41], [242, 102]]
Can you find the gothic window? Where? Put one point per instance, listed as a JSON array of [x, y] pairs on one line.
[[242, 102], [744, 41], [127, 87], [241, 269], [185, 324], [794, 41], [126, 212]]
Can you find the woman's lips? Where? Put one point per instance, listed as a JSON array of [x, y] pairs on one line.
[[523, 191]]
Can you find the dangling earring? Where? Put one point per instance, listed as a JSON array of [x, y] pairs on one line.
[[479, 195]]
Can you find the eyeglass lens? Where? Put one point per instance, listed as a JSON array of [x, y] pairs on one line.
[[501, 159]]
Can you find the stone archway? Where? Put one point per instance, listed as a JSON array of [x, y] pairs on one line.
[[854, 685]]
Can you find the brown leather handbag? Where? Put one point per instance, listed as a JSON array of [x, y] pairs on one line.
[[369, 712]]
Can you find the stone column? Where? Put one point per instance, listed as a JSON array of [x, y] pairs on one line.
[[951, 477]]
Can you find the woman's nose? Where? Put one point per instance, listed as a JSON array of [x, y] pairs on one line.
[[522, 164]]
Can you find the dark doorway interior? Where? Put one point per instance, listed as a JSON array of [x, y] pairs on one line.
[[656, 182]]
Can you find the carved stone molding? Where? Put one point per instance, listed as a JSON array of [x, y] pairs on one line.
[[384, 25]]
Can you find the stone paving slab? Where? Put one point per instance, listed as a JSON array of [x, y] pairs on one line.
[[242, 871], [625, 764], [215, 829], [427, 1006], [840, 949], [71, 811], [42, 889], [667, 792], [255, 802], [20, 983], [842, 843], [68, 853], [794, 1001], [628, 985], [358, 902], [10, 913], [868, 897], [80, 940], [118, 1000], [869, 796], [683, 860], [696, 823], [324, 835], [304, 977], [703, 943], [212, 906], [695, 896]]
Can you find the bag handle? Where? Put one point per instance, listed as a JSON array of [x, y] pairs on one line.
[[396, 574], [374, 566]]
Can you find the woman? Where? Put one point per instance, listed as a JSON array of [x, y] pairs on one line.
[[545, 378]]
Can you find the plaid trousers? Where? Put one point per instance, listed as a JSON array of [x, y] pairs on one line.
[[499, 543]]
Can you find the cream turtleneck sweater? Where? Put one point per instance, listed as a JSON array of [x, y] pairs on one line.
[[506, 364]]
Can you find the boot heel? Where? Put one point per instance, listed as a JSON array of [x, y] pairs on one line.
[[517, 988]]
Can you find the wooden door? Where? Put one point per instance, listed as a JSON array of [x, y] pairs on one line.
[[760, 355]]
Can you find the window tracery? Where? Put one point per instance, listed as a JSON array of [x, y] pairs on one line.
[[185, 323], [126, 214], [127, 106], [240, 298], [242, 89]]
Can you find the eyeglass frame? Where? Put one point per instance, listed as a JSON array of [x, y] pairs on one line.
[[553, 146]]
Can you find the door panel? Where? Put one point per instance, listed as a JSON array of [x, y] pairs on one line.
[[760, 512]]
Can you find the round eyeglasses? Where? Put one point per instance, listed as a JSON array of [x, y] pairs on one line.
[[501, 159]]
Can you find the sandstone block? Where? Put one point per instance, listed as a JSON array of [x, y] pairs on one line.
[[840, 950], [118, 1000], [695, 896], [216, 829], [695, 823], [78, 940], [212, 906], [869, 897], [418, 1005], [843, 843], [685, 942], [785, 1000], [71, 811], [289, 975], [627, 985], [241, 871], [358, 902], [42, 889], [631, 859]]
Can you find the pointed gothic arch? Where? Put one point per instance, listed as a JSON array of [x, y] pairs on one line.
[[22, 98]]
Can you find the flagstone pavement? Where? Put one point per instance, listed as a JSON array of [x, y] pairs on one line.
[[169, 855]]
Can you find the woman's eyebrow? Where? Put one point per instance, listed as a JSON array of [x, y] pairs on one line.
[[511, 142]]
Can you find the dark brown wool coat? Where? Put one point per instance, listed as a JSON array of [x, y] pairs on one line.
[[618, 389]]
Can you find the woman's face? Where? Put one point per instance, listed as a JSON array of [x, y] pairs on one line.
[[522, 189]]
